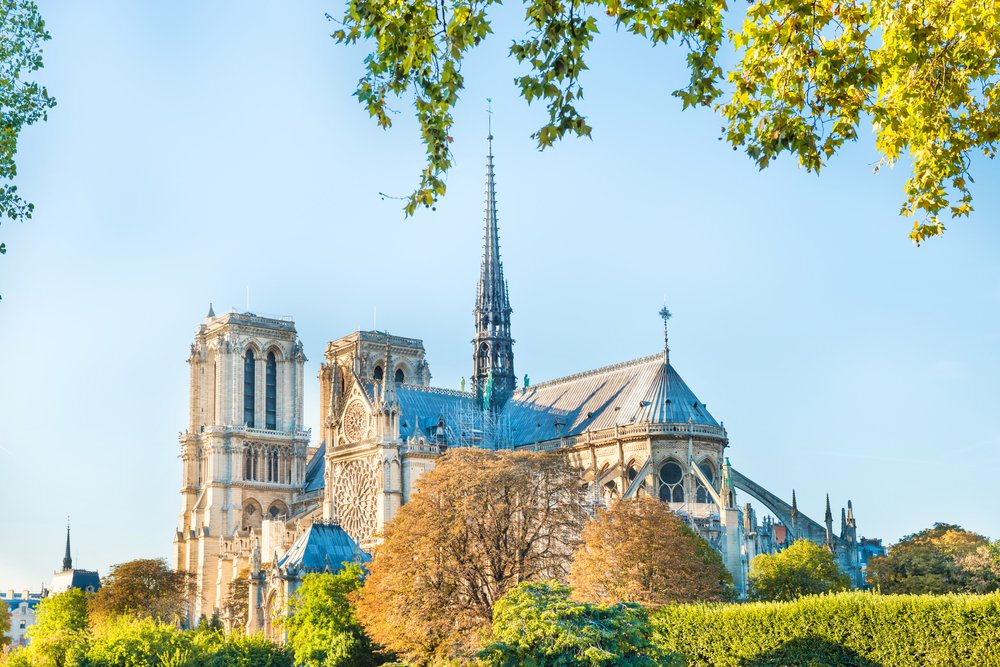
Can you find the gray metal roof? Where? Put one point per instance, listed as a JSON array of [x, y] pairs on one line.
[[325, 547], [315, 469], [646, 390], [426, 405]]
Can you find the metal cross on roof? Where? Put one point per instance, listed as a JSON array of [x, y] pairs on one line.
[[665, 314]]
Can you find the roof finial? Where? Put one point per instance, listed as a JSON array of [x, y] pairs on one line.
[[665, 314]]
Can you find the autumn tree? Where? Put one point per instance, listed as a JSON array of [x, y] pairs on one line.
[[942, 559], [480, 523], [144, 587], [801, 78], [804, 568], [638, 550], [537, 624], [22, 101], [323, 630]]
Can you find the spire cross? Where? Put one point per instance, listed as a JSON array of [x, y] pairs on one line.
[[489, 118], [665, 314]]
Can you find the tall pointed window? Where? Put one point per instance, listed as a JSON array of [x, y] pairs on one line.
[[271, 393], [249, 371], [400, 376]]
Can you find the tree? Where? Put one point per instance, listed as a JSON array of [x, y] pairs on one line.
[[639, 551], [237, 604], [940, 559], [5, 620], [804, 568], [22, 102], [145, 587], [481, 523], [60, 635], [537, 624], [805, 76], [323, 630]]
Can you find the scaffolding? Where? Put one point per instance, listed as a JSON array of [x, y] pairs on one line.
[[468, 425]]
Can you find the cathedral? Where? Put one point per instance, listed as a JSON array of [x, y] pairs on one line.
[[264, 504]]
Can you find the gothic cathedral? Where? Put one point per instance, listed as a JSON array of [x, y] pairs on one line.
[[262, 503]]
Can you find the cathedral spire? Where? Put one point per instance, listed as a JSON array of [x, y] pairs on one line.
[[493, 357], [67, 558]]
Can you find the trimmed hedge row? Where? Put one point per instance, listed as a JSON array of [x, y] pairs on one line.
[[856, 628]]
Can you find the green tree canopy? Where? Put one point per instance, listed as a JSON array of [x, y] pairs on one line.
[[22, 101], [322, 628], [804, 568], [942, 559], [638, 550], [536, 624], [795, 77], [60, 635], [144, 587], [4, 624]]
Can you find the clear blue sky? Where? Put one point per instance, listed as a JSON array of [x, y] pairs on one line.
[[200, 149]]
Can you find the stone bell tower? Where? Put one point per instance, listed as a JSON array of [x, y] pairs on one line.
[[243, 455]]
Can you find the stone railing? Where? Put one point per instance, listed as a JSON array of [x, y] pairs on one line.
[[629, 432]]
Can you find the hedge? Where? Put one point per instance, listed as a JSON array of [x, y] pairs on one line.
[[854, 628]]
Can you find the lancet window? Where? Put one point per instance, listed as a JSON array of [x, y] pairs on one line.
[[702, 495], [400, 377], [271, 392], [249, 387], [671, 482]]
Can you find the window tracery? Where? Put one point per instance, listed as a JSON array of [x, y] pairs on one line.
[[702, 495], [671, 482]]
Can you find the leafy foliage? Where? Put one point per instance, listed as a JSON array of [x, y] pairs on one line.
[[804, 568], [481, 523], [639, 551], [806, 75], [323, 630], [537, 624], [237, 604], [144, 587], [5, 620], [60, 636], [941, 559], [854, 628], [22, 102]]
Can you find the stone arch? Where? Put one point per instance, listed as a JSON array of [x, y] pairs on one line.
[[378, 373], [252, 514], [277, 509]]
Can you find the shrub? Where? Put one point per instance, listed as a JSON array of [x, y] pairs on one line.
[[856, 628], [536, 624]]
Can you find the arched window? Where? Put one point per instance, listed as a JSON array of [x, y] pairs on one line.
[[702, 495], [273, 512], [271, 393], [671, 482], [400, 376], [377, 374], [249, 371]]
